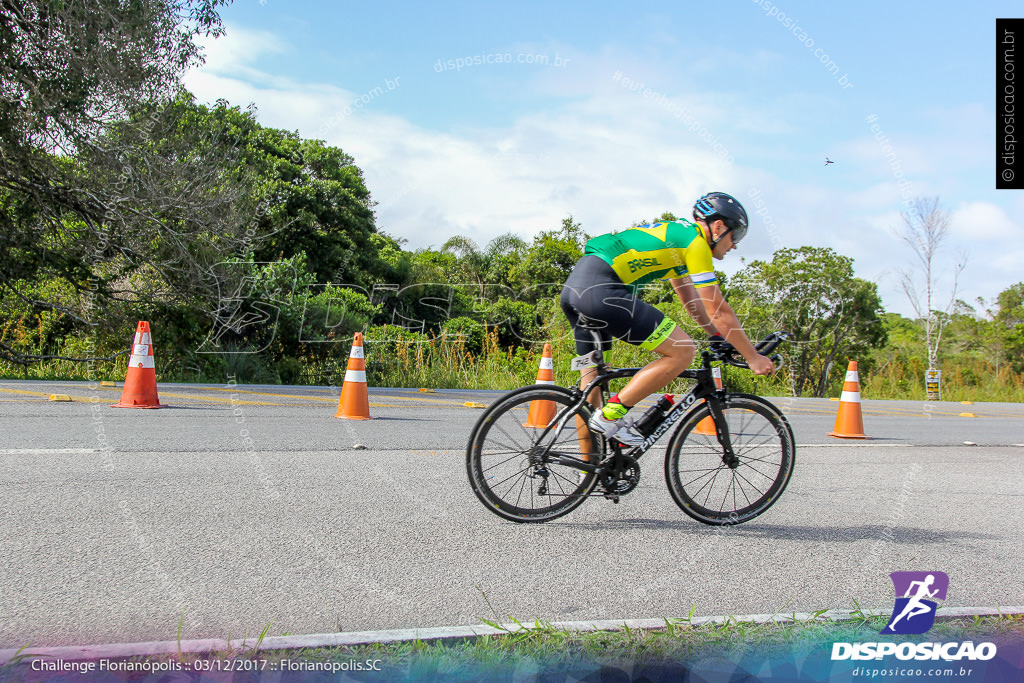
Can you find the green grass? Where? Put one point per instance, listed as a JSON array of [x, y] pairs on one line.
[[964, 381], [414, 361], [526, 647]]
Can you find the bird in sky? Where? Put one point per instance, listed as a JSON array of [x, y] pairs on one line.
[[828, 161]]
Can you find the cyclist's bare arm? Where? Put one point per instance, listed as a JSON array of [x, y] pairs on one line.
[[693, 304], [728, 325]]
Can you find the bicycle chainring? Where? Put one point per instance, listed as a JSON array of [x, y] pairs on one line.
[[620, 484]]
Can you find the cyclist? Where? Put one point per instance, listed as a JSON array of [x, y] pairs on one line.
[[603, 286]]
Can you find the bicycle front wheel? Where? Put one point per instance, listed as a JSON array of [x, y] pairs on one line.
[[710, 491], [509, 461]]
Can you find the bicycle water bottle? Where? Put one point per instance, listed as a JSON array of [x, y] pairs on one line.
[[650, 420]]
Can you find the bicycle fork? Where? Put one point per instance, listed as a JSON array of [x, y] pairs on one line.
[[722, 432]]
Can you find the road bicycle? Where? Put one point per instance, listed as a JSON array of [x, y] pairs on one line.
[[531, 457]]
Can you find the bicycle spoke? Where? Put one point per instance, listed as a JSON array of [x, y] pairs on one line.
[[501, 428], [515, 456], [713, 493], [738, 480], [520, 472], [514, 469], [769, 476], [521, 488]]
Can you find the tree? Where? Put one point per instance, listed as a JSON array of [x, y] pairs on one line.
[[76, 78], [491, 266], [472, 263], [924, 230], [548, 261], [810, 292], [504, 252], [1009, 321], [317, 202]]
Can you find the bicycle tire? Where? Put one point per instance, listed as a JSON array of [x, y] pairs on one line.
[[498, 459], [709, 491]]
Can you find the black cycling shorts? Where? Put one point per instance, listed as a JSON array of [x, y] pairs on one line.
[[596, 293]]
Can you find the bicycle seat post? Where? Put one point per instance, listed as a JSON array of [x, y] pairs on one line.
[[598, 352]]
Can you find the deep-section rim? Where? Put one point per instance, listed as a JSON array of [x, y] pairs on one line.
[[787, 450], [492, 499]]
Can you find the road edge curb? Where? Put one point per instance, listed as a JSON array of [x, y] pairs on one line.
[[353, 638]]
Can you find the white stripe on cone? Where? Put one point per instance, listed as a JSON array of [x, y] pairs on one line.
[[355, 376], [137, 361], [547, 363], [850, 397], [545, 381], [357, 352], [852, 376]]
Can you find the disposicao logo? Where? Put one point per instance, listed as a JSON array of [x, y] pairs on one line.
[[916, 592], [914, 614]]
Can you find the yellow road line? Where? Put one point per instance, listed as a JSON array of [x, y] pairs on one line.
[[893, 412], [328, 399], [188, 397], [22, 391], [265, 393]]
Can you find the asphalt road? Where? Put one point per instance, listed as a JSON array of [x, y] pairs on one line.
[[239, 507]]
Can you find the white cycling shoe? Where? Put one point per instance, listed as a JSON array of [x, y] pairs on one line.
[[620, 430]]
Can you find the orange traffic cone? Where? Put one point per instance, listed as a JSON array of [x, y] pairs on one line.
[[354, 403], [140, 381], [706, 427], [542, 412], [849, 423]]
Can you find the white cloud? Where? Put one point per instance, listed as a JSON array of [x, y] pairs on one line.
[[609, 156], [984, 222], [238, 49]]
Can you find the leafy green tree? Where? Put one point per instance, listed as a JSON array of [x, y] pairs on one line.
[[503, 253], [428, 265], [318, 204], [471, 263], [489, 267], [548, 261], [75, 76], [394, 265], [810, 292], [1009, 320]]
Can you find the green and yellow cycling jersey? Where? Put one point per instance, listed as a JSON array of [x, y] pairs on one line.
[[672, 249]]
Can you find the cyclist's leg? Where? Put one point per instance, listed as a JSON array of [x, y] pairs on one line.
[[595, 291], [587, 375], [677, 352], [583, 294]]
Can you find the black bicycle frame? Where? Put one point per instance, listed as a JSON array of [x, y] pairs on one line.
[[705, 389]]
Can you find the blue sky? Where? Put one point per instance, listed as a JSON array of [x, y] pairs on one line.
[[484, 118]]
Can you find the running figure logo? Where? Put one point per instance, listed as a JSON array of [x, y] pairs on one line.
[[916, 592]]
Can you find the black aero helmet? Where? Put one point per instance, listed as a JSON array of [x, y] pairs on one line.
[[719, 205]]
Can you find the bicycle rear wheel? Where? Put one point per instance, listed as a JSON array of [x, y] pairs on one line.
[[504, 462], [705, 488]]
